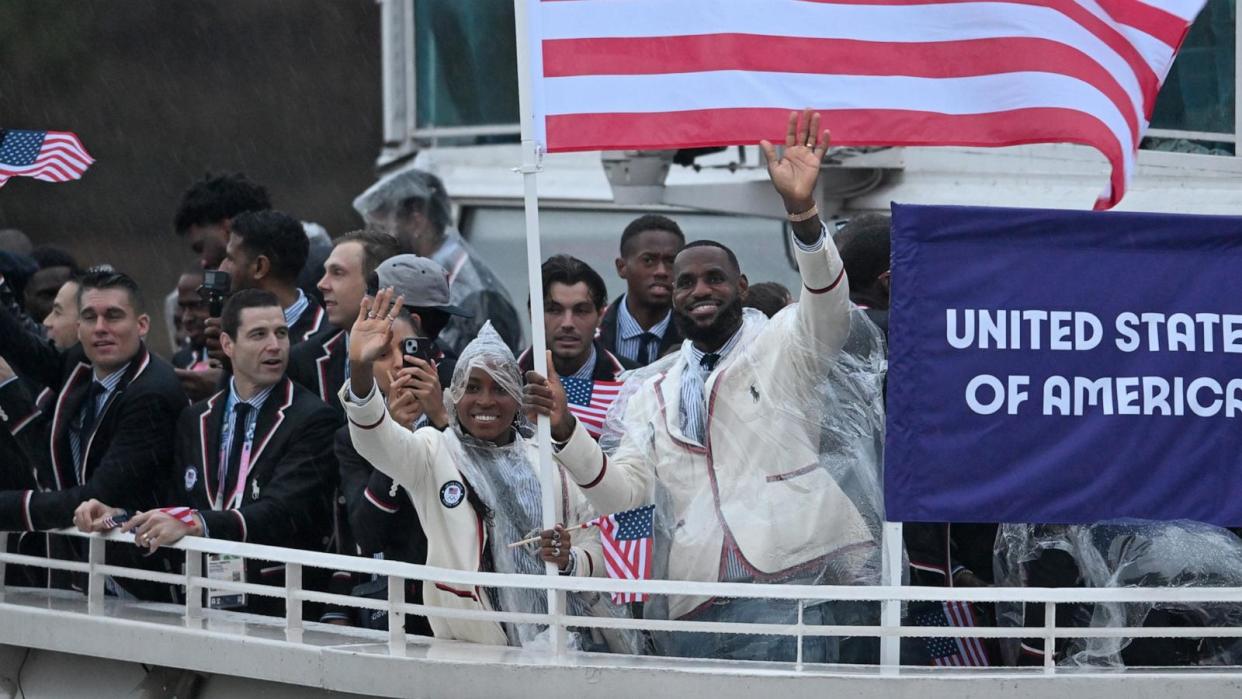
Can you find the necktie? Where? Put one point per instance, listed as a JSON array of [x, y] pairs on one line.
[[694, 398], [650, 345], [237, 442], [90, 410]]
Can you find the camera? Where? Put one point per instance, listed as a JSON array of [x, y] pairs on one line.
[[215, 290], [415, 347]]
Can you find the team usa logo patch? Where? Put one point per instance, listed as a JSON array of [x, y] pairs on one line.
[[191, 477], [452, 493]]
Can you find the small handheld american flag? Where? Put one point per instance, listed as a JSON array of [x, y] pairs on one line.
[[627, 538], [953, 652], [589, 401], [185, 515], [51, 156]]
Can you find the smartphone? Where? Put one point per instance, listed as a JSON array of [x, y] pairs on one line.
[[215, 289], [415, 347]]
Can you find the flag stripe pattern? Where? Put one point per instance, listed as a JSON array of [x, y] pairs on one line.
[[51, 156], [650, 74], [589, 401], [627, 541], [954, 652], [185, 515]]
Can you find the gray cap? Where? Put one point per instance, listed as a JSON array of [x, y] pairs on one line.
[[422, 282]]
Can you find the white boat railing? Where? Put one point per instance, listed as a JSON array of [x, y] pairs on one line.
[[194, 582]]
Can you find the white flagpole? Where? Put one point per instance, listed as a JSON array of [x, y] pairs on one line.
[[531, 153]]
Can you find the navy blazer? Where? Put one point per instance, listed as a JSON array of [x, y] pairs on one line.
[[126, 457]]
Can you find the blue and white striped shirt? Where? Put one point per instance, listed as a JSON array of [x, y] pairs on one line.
[[295, 310], [630, 335], [75, 432], [694, 382]]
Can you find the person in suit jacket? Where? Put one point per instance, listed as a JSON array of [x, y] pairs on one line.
[[718, 431], [319, 363], [573, 299], [254, 461], [266, 250], [638, 326], [112, 423]]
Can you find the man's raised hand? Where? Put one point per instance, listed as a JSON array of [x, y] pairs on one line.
[[796, 172]]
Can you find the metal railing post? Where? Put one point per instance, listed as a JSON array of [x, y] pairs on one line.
[[94, 581], [4, 548], [801, 628], [193, 592], [1050, 641], [293, 602], [396, 617], [890, 609]]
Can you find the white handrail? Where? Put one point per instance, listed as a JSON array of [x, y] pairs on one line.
[[398, 573]]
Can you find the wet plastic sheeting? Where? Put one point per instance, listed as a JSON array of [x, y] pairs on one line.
[[505, 478], [808, 447], [1127, 554]]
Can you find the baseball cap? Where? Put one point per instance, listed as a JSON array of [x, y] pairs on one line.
[[422, 282]]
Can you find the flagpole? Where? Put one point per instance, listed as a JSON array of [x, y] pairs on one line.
[[529, 168]]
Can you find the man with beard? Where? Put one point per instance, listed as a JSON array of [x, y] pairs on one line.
[[719, 433]]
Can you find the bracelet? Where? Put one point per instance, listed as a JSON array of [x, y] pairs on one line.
[[805, 215], [573, 564]]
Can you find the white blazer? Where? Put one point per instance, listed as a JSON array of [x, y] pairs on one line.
[[757, 485]]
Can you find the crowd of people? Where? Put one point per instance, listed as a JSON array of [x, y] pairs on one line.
[[369, 395]]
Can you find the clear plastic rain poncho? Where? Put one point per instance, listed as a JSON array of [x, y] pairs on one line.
[[472, 284], [791, 467], [1128, 553], [506, 480]]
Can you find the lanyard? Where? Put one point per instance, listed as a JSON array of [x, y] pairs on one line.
[[243, 468]]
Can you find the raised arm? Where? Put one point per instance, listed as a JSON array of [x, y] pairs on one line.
[[403, 455], [823, 310]]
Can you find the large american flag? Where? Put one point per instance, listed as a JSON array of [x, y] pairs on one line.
[[953, 652], [51, 156], [655, 74], [589, 401], [627, 538]]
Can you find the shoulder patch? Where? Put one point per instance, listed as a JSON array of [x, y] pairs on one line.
[[452, 493]]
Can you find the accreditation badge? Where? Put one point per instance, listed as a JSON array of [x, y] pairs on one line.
[[226, 568]]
